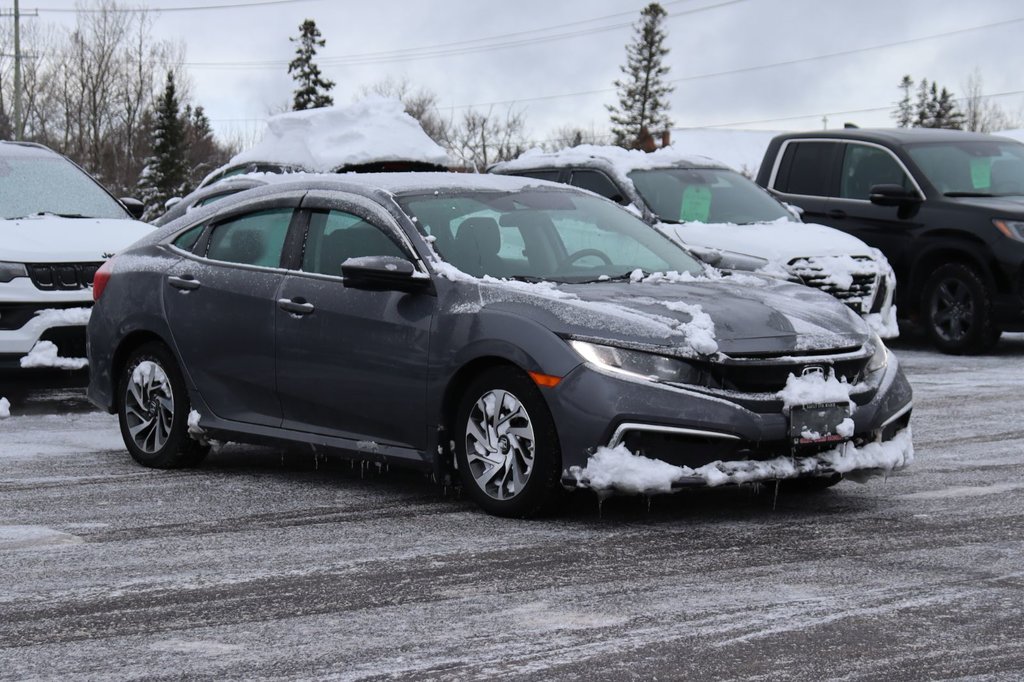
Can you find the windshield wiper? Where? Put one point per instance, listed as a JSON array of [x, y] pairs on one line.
[[59, 215], [611, 278], [969, 194]]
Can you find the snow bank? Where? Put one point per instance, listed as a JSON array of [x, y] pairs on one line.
[[5, 408], [814, 388], [619, 470], [44, 354], [61, 317], [321, 140]]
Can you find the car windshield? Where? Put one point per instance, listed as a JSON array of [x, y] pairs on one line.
[[543, 235], [36, 183], [706, 195], [976, 168]]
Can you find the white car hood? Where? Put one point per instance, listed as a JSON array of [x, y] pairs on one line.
[[779, 241], [52, 239]]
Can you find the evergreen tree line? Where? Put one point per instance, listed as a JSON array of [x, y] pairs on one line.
[[932, 106]]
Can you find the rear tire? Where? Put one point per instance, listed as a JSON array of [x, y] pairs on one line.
[[153, 409], [957, 310], [506, 445]]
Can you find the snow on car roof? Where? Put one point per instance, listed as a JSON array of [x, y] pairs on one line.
[[622, 160], [375, 129], [402, 183]]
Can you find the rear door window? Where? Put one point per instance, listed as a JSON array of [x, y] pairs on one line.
[[806, 168], [251, 239]]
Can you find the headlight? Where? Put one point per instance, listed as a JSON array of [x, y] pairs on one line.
[[648, 366], [880, 358], [9, 271], [1014, 229]]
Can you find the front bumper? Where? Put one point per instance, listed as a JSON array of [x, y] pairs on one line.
[[689, 430], [28, 315]]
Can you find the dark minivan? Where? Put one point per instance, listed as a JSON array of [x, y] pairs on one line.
[[946, 207]]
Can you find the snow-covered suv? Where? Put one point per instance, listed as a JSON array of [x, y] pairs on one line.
[[57, 226], [726, 219]]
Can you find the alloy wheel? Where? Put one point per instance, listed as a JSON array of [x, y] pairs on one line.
[[500, 444], [952, 309], [149, 406]]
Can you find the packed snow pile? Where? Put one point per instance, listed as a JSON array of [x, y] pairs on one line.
[[61, 317], [619, 470], [45, 354], [5, 408], [322, 140], [814, 388]]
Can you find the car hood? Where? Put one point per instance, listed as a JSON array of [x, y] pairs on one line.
[[751, 315], [1010, 207], [778, 241], [52, 239]]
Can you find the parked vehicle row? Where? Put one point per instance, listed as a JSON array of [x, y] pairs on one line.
[[727, 220], [945, 207]]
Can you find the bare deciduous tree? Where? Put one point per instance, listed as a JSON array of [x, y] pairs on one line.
[[480, 139], [981, 114]]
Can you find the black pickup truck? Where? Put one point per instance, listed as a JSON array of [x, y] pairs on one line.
[[946, 207]]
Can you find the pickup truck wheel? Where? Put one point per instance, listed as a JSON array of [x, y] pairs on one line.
[[958, 310]]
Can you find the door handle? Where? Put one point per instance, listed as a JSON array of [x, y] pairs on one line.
[[186, 282], [837, 213], [296, 306]]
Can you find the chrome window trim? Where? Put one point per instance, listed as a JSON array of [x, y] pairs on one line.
[[834, 140]]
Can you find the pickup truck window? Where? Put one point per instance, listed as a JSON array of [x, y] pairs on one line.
[[864, 166], [972, 168], [805, 168]]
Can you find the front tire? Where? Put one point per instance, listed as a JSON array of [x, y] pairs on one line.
[[958, 310], [506, 445], [153, 409]]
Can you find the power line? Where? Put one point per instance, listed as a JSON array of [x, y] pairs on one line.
[[747, 69], [461, 47], [188, 8]]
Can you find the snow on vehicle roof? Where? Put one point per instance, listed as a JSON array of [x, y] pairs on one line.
[[622, 160], [373, 130], [401, 183]]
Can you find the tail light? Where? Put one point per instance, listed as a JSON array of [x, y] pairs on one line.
[[100, 279]]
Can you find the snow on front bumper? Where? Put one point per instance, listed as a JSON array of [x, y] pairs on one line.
[[617, 470]]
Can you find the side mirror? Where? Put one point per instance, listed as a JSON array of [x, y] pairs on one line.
[[134, 207], [171, 203], [892, 195], [383, 273]]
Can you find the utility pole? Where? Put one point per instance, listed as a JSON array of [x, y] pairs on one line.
[[16, 15], [17, 71]]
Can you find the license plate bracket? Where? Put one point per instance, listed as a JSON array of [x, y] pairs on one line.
[[817, 424]]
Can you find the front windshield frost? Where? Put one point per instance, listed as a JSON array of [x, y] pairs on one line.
[[34, 184], [543, 235]]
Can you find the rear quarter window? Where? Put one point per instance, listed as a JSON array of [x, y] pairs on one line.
[[806, 168]]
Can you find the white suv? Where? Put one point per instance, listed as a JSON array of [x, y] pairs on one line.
[[727, 220], [57, 226]]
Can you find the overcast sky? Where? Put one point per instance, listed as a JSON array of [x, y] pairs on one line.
[[557, 59]]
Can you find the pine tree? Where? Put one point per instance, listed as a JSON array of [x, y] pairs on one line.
[[904, 112], [947, 113], [313, 88], [643, 107], [922, 111], [165, 174]]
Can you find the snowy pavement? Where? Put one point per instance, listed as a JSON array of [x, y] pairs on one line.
[[259, 565]]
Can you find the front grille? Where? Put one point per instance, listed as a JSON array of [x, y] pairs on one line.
[[757, 377], [62, 276], [815, 272]]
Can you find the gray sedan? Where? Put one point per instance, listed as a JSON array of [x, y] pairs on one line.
[[519, 336]]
